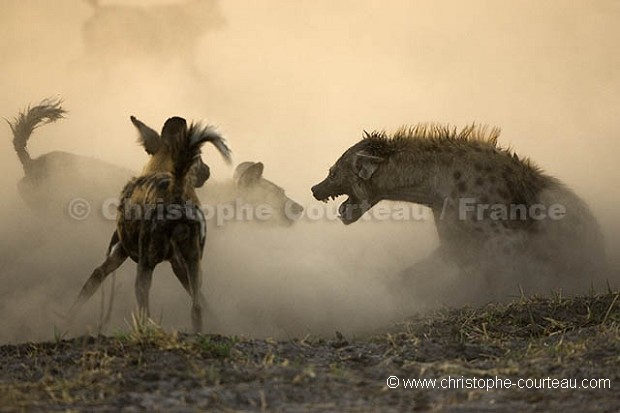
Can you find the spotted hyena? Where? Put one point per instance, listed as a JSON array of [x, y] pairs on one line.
[[53, 180], [250, 197], [496, 214]]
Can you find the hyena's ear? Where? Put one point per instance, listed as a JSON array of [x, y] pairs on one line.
[[366, 164], [148, 137], [251, 175]]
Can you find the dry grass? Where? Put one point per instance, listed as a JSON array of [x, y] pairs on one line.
[[152, 369]]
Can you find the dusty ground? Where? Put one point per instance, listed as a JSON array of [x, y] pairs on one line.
[[148, 369]]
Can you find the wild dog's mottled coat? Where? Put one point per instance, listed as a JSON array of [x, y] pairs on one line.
[[159, 217]]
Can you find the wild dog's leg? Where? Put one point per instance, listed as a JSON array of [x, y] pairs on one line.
[[179, 267], [189, 274], [143, 286], [195, 284], [116, 256]]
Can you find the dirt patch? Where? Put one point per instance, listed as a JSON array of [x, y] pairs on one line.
[[149, 369]]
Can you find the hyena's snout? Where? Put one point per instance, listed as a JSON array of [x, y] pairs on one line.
[[324, 191], [318, 191]]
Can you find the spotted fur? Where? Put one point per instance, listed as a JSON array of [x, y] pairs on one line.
[[442, 167]]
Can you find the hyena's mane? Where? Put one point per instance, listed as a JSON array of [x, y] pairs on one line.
[[436, 137]]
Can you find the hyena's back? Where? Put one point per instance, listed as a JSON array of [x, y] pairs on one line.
[[574, 243]]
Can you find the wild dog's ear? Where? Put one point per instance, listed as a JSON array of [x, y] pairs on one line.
[[251, 175], [172, 133], [365, 164], [148, 137]]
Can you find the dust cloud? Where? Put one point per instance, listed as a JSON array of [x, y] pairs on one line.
[[291, 84]]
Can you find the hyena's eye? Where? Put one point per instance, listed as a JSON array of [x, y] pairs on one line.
[[332, 174]]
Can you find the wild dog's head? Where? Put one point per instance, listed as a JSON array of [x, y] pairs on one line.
[[159, 148], [354, 174], [257, 190]]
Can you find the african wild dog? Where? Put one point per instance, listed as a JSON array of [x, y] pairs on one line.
[[159, 216], [470, 183]]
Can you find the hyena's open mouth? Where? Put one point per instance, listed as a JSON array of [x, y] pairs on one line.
[[352, 209], [330, 197]]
